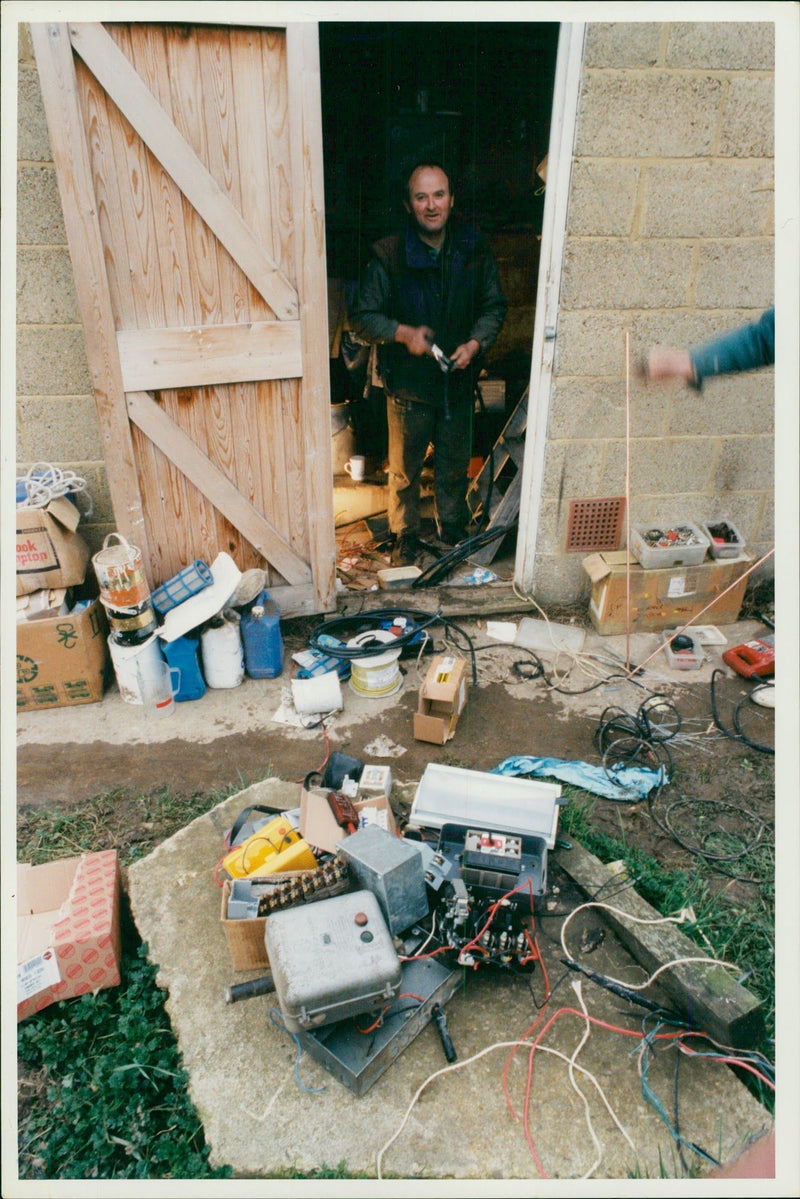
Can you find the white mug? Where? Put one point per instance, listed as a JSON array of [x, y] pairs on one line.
[[355, 468]]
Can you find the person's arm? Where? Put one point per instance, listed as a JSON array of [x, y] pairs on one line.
[[743, 349], [370, 319], [491, 314]]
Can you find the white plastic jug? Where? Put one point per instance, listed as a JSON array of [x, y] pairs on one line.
[[221, 649]]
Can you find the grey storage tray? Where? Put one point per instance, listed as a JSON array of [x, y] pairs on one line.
[[332, 959]]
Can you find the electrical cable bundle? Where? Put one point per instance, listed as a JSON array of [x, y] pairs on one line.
[[738, 734], [638, 739]]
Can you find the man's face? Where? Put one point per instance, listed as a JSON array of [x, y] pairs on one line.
[[429, 199]]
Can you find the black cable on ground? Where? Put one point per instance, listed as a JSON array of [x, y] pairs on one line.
[[738, 735], [341, 628], [437, 571]]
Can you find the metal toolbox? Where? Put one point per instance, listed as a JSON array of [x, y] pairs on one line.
[[331, 960]]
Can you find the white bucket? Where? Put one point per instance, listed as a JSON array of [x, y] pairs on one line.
[[139, 669], [222, 652]]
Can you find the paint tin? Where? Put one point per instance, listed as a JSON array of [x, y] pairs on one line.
[[137, 667], [124, 591]]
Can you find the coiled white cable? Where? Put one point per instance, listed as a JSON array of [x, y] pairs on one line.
[[45, 482]]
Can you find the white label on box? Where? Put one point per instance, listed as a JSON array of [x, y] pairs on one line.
[[677, 586], [373, 816], [37, 974]]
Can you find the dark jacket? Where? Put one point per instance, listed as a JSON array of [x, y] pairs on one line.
[[458, 295]]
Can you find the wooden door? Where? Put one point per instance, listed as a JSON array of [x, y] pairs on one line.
[[189, 163]]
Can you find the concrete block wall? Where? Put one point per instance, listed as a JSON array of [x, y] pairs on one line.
[[56, 413], [670, 241]]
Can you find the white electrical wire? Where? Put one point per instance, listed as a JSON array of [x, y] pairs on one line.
[[475, 1057], [45, 482], [576, 986], [641, 920]]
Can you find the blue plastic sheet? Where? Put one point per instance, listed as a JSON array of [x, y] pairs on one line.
[[620, 782]]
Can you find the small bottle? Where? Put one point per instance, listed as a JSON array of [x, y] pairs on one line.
[[261, 637]]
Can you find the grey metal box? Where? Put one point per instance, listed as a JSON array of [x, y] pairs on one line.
[[392, 869], [331, 959]]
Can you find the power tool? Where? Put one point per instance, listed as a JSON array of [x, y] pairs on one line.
[[752, 659]]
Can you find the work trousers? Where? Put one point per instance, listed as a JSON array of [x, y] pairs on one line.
[[412, 427]]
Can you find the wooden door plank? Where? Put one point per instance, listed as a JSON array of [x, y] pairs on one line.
[[213, 482], [56, 69], [137, 103], [303, 78], [154, 359]]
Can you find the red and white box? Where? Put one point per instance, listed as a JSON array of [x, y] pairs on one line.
[[68, 929]]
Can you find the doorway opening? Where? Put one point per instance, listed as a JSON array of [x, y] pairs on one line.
[[477, 96]]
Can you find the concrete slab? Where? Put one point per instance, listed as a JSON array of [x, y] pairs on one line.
[[265, 1110]]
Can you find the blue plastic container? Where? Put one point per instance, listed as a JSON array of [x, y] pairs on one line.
[[184, 652], [261, 638]]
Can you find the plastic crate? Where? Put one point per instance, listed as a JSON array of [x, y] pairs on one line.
[[678, 553], [731, 547]]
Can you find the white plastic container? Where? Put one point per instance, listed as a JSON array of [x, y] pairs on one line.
[[657, 557], [137, 667], [691, 658], [730, 545], [221, 649]]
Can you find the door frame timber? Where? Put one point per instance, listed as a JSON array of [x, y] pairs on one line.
[[123, 363]]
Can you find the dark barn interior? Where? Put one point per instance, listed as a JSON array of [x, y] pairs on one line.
[[475, 96]]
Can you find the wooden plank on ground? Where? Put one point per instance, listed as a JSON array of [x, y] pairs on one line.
[[491, 599], [155, 359], [128, 91], [708, 996]]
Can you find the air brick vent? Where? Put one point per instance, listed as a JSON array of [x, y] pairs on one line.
[[595, 524]]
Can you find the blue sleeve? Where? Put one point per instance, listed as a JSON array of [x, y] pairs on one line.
[[742, 349]]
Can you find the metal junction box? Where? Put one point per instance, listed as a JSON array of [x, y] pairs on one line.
[[332, 959], [392, 869]]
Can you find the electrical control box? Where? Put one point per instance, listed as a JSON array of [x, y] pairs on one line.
[[392, 869], [332, 959]]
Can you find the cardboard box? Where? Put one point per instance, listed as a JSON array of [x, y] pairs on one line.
[[662, 598], [68, 932], [62, 660], [49, 551], [442, 699], [317, 823], [245, 938]]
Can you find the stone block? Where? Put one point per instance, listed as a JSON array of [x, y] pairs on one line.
[[65, 426], [623, 44], [33, 140], [97, 485], [721, 45], [558, 579], [573, 469], [602, 198], [661, 466], [739, 273], [45, 287], [610, 273], [40, 220], [52, 361], [729, 404], [583, 405], [747, 128], [745, 464], [623, 115], [707, 199]]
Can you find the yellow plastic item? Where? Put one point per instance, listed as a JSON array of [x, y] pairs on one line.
[[269, 841], [297, 857]]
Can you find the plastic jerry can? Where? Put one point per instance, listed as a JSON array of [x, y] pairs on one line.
[[184, 652], [261, 638], [221, 649]]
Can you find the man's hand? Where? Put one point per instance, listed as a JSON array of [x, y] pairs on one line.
[[665, 364], [417, 339], [463, 355]]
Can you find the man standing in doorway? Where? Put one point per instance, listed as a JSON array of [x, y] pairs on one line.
[[436, 284]]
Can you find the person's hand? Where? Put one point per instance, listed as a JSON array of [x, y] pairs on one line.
[[417, 339], [663, 365], [463, 355]]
